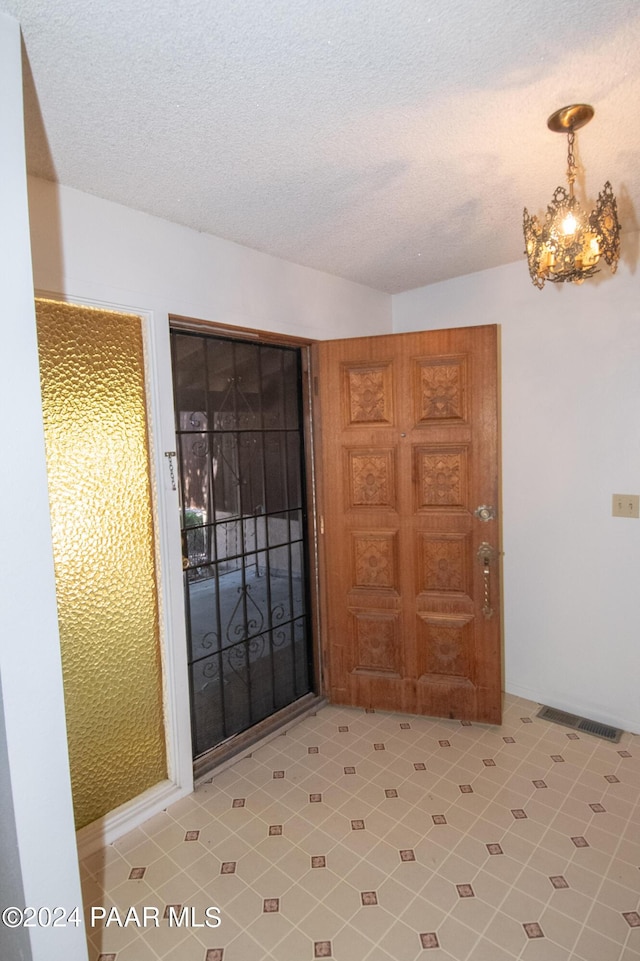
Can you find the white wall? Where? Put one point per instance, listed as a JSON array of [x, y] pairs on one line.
[[89, 247], [14, 942], [30, 671], [570, 439]]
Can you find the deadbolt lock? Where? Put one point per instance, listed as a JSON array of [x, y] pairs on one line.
[[485, 512]]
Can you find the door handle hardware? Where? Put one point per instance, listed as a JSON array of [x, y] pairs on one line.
[[485, 512], [169, 454], [487, 554]]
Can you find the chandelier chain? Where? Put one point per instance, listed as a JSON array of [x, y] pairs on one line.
[[571, 161]]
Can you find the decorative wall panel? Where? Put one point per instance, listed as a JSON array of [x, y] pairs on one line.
[[440, 390], [377, 643], [368, 395], [443, 564], [374, 560], [441, 477], [444, 645], [93, 396], [371, 479]]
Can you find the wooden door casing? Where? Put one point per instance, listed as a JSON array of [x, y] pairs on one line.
[[408, 450]]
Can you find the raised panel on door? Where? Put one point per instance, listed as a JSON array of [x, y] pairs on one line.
[[408, 451]]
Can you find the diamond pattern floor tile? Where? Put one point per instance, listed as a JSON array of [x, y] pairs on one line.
[[368, 836]]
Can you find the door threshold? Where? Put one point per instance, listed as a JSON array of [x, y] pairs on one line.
[[224, 755]]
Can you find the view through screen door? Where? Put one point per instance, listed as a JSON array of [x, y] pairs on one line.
[[242, 487]]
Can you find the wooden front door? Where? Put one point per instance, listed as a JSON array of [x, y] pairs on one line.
[[408, 453]]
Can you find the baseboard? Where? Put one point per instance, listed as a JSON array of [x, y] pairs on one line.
[[580, 708], [128, 816]]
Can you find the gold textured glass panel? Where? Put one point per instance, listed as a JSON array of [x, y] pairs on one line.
[[93, 398]]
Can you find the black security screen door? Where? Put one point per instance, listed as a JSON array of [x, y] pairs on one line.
[[241, 467]]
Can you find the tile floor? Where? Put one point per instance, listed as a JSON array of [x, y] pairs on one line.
[[364, 836]]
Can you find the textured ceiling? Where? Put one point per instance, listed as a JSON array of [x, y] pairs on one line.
[[391, 142]]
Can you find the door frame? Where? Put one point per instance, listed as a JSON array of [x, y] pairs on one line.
[[179, 780], [229, 750]]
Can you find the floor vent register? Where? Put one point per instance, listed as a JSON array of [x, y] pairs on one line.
[[612, 734]]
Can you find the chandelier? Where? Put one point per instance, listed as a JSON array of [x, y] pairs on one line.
[[568, 244]]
